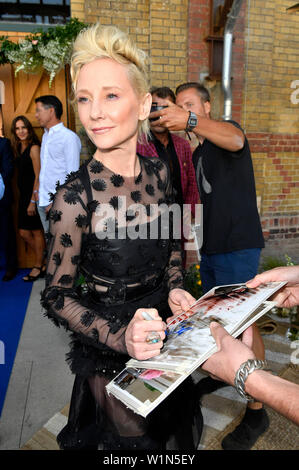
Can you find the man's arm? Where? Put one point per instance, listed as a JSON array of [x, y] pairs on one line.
[[279, 394], [222, 134]]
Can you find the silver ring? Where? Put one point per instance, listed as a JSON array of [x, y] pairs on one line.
[[153, 337]]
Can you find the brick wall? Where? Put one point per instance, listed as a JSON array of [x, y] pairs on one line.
[[265, 63], [271, 120], [158, 27], [275, 158], [199, 27], [198, 56], [272, 64]]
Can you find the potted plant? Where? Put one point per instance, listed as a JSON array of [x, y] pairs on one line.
[[192, 282]]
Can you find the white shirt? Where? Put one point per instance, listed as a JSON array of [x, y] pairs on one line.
[[60, 154]]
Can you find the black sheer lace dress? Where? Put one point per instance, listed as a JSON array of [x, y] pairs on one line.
[[112, 251]]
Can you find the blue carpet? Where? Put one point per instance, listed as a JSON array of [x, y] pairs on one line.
[[14, 297]]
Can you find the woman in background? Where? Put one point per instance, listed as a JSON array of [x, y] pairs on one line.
[[26, 147]]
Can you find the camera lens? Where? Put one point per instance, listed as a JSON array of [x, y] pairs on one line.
[[154, 108]]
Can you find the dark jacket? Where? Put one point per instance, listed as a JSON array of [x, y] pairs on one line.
[[6, 170]]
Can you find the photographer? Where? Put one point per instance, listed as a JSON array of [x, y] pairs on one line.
[[232, 234], [172, 149]]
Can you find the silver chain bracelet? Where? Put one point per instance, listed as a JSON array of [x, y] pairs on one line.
[[242, 374]]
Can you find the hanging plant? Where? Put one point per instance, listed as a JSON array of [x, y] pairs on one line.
[[26, 57], [49, 50], [5, 48]]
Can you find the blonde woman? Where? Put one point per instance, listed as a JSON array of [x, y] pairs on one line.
[[95, 224]]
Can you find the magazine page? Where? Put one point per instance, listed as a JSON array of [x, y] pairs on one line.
[[144, 384], [188, 335], [143, 389]]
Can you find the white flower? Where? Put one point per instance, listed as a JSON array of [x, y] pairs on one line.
[[26, 46]]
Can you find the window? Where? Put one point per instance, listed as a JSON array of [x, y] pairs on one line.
[[219, 11], [218, 14], [35, 11]]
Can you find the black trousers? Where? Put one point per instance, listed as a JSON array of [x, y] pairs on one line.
[[8, 237]]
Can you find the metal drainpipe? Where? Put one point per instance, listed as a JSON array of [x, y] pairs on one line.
[[227, 58]]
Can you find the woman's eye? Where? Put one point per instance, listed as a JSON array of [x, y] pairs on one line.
[[82, 99], [111, 96]]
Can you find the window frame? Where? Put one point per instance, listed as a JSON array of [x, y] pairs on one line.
[[215, 42], [24, 26]]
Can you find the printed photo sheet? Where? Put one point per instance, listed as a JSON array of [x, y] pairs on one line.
[[144, 384]]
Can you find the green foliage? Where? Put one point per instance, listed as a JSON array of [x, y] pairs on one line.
[[81, 280], [6, 47], [293, 331], [49, 49], [192, 281], [63, 34], [271, 262]]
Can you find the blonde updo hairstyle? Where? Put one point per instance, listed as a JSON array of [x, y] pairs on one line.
[[97, 42]]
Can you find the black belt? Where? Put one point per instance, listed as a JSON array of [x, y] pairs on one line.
[[118, 291], [135, 294]]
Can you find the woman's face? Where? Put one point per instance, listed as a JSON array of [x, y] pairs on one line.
[[108, 107], [21, 130]]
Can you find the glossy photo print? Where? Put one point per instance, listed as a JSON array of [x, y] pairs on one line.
[[144, 384]]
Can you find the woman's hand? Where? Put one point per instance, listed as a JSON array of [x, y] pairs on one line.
[[179, 300], [31, 209], [173, 117], [288, 295], [139, 329]]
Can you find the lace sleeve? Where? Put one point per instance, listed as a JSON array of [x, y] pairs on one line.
[[175, 268], [68, 220]]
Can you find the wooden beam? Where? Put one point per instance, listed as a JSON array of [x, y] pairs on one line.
[[293, 9], [28, 91]]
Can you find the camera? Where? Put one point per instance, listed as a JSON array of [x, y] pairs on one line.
[[154, 108]]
